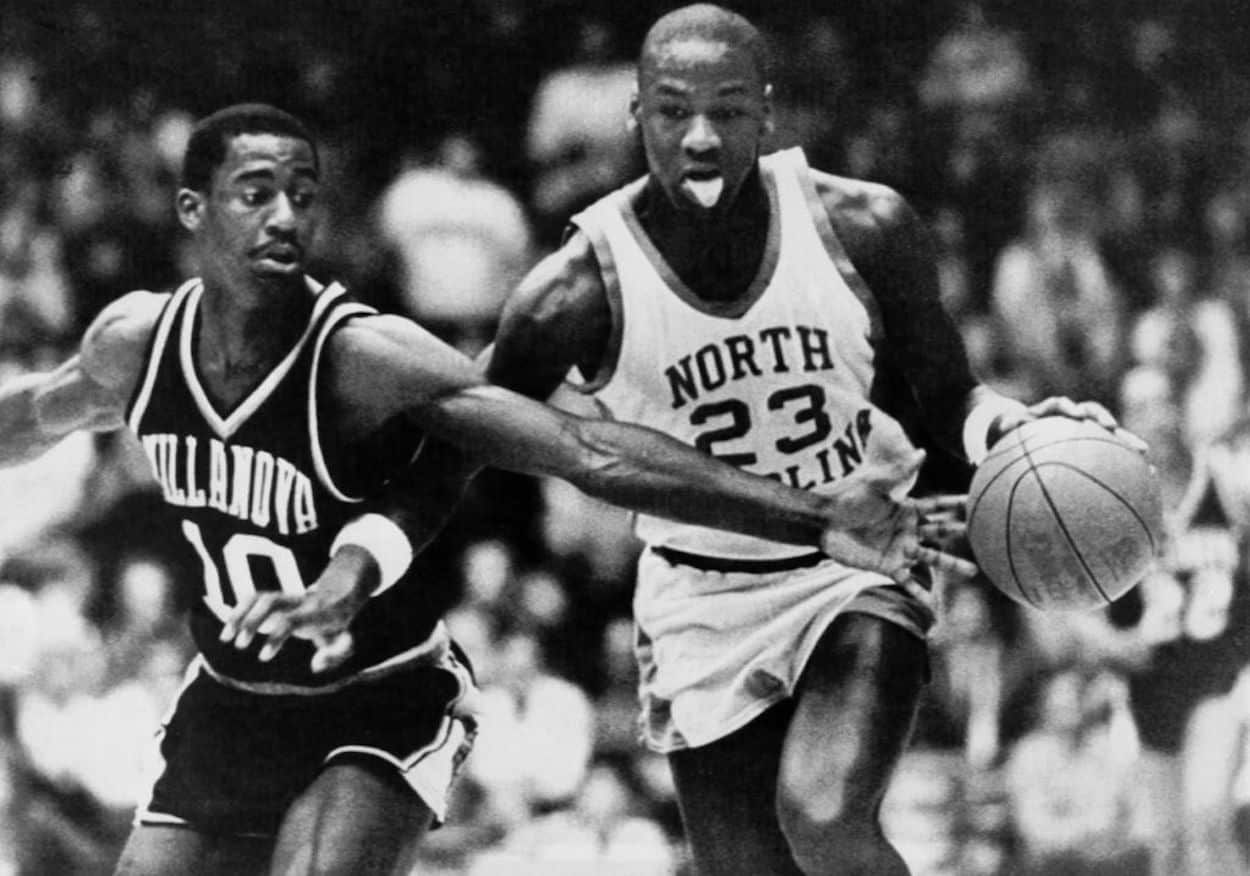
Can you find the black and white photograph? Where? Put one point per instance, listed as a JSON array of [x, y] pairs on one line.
[[586, 438]]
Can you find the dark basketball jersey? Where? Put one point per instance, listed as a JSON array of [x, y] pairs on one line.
[[261, 496]]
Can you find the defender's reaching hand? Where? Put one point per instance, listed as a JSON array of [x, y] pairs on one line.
[[321, 615]]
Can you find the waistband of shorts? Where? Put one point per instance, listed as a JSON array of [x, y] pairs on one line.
[[434, 649], [727, 564]]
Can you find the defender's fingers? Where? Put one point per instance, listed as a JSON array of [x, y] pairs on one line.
[[261, 610], [278, 638], [246, 617], [332, 652], [943, 504], [941, 530], [948, 563], [230, 628]]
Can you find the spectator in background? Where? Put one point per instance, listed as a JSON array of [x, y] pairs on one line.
[[976, 64], [1226, 222], [60, 724], [462, 242], [36, 298], [1062, 314], [541, 731], [813, 77], [1191, 339], [978, 169], [606, 830], [1194, 613], [616, 706], [975, 672], [1070, 781], [576, 138]]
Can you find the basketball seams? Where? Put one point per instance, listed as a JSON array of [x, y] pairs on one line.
[[1054, 511], [1001, 450], [998, 451], [1011, 561], [1114, 492]]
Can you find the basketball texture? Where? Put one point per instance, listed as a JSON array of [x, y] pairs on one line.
[[1063, 516]]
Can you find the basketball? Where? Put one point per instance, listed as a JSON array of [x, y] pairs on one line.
[[1064, 516]]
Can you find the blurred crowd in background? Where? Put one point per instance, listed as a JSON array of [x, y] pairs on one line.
[[1085, 169]]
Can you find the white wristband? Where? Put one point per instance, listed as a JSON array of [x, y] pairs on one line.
[[980, 418], [385, 541]]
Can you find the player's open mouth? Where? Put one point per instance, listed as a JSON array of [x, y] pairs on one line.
[[282, 255], [703, 187]]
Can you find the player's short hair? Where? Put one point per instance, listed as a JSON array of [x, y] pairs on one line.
[[710, 22], [211, 136]]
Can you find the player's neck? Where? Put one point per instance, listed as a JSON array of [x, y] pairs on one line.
[[715, 252], [240, 334]]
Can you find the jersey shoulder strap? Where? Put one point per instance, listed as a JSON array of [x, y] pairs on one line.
[[158, 344]]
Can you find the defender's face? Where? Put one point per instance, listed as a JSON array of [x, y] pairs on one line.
[[258, 216], [702, 109]]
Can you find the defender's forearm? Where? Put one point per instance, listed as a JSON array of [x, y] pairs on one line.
[[423, 497], [657, 475]]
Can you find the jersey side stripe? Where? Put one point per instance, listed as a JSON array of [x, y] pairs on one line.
[[837, 253], [156, 352]]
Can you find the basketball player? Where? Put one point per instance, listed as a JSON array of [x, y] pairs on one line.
[[783, 320], [268, 405]]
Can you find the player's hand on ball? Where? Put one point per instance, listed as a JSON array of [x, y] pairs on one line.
[[1062, 406]]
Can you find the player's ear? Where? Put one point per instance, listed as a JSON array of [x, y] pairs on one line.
[[631, 123], [190, 207], [768, 125]]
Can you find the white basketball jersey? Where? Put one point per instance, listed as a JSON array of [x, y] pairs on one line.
[[776, 382]]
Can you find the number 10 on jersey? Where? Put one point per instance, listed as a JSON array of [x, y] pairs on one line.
[[236, 555]]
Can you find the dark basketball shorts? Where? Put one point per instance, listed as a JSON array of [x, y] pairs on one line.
[[232, 761]]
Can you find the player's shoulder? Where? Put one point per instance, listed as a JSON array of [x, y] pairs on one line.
[[367, 335], [859, 200], [568, 282], [870, 218], [116, 343]]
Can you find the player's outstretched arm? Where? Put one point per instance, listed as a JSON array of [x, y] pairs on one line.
[[389, 366], [88, 391]]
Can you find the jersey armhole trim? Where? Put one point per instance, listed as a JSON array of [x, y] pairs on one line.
[[336, 317], [837, 253], [156, 346], [616, 306]]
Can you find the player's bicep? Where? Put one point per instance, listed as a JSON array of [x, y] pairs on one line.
[[71, 399], [557, 319], [501, 428], [91, 389], [389, 367], [921, 337]]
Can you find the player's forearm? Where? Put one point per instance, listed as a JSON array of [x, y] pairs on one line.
[[423, 497], [639, 469], [23, 432]]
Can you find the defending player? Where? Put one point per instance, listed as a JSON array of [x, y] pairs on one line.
[[269, 405]]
